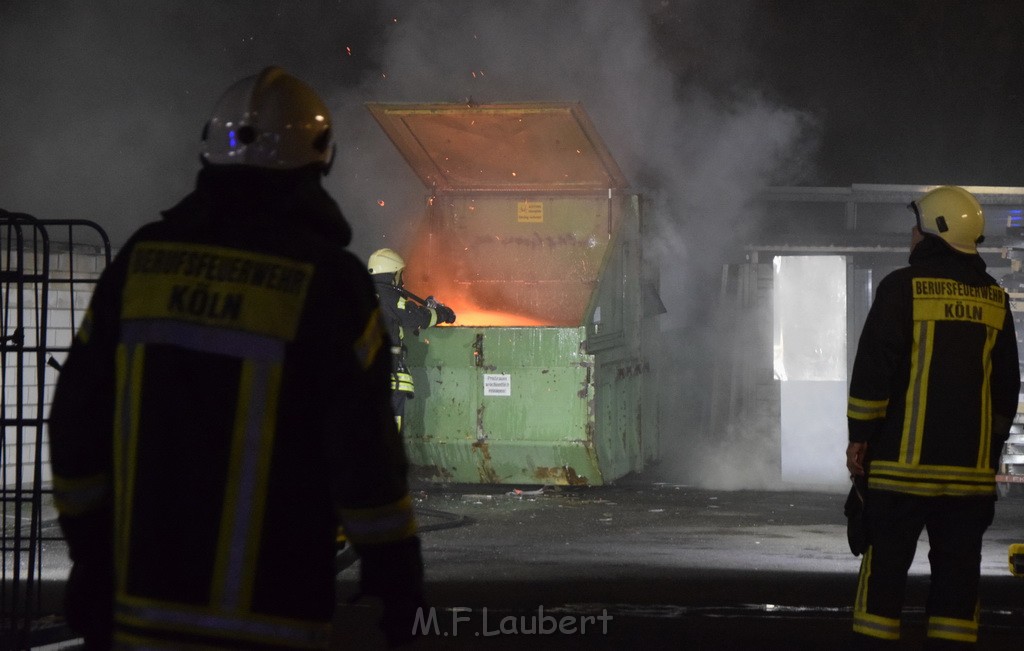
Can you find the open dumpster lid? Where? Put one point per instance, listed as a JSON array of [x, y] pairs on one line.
[[501, 147]]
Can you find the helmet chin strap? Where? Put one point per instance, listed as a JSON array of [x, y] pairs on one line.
[[917, 214], [330, 162]]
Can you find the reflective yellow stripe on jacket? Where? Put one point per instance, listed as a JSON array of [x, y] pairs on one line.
[[142, 615], [231, 304], [370, 342], [860, 409], [80, 495], [931, 481], [955, 302]]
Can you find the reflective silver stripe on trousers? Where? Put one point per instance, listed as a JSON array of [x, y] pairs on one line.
[[219, 624]]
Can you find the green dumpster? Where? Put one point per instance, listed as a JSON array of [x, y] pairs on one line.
[[530, 234]]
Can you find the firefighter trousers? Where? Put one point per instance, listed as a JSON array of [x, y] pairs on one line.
[[398, 400], [955, 527]]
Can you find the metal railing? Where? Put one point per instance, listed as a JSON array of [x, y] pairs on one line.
[[48, 269]]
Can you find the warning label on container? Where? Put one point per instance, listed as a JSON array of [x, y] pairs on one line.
[[496, 384], [530, 211]]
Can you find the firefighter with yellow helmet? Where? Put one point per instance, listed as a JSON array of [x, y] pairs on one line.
[[225, 407], [402, 312], [933, 392]]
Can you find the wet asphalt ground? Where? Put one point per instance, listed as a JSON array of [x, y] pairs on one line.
[[641, 566], [659, 566]]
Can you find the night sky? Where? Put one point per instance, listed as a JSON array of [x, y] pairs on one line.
[[904, 91], [705, 101]]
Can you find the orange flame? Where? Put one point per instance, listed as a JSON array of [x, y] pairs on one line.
[[473, 303], [473, 316]]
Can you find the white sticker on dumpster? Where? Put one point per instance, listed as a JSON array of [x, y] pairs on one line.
[[497, 384]]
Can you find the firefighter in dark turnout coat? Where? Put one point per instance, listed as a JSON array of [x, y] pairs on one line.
[[402, 312], [225, 407], [933, 391]]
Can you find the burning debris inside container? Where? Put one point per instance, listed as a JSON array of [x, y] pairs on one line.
[[521, 212]]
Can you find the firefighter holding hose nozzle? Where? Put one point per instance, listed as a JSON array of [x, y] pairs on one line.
[[402, 310]]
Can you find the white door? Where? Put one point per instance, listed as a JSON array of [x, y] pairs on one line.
[[810, 363]]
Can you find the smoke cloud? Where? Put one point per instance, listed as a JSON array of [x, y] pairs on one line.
[[103, 103], [702, 155]]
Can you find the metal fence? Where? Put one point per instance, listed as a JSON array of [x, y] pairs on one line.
[[48, 270]]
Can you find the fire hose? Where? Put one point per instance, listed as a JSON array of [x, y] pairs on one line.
[[429, 302], [347, 555]]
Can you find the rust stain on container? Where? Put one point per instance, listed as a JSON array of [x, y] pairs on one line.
[[483, 449], [559, 474], [430, 473], [484, 468], [573, 479]]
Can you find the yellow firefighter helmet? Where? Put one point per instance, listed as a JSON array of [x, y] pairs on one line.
[[952, 214], [271, 120], [385, 261]]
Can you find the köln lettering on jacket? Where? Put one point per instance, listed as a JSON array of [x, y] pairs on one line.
[[216, 286], [199, 300], [942, 299]]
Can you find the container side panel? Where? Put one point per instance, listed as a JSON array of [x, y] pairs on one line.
[[503, 405]]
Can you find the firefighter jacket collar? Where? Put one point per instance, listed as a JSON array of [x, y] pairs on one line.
[[932, 250], [285, 196]]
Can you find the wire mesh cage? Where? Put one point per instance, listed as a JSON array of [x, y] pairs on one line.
[[48, 270]]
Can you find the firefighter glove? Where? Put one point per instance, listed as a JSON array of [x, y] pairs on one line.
[[445, 314], [853, 509]]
